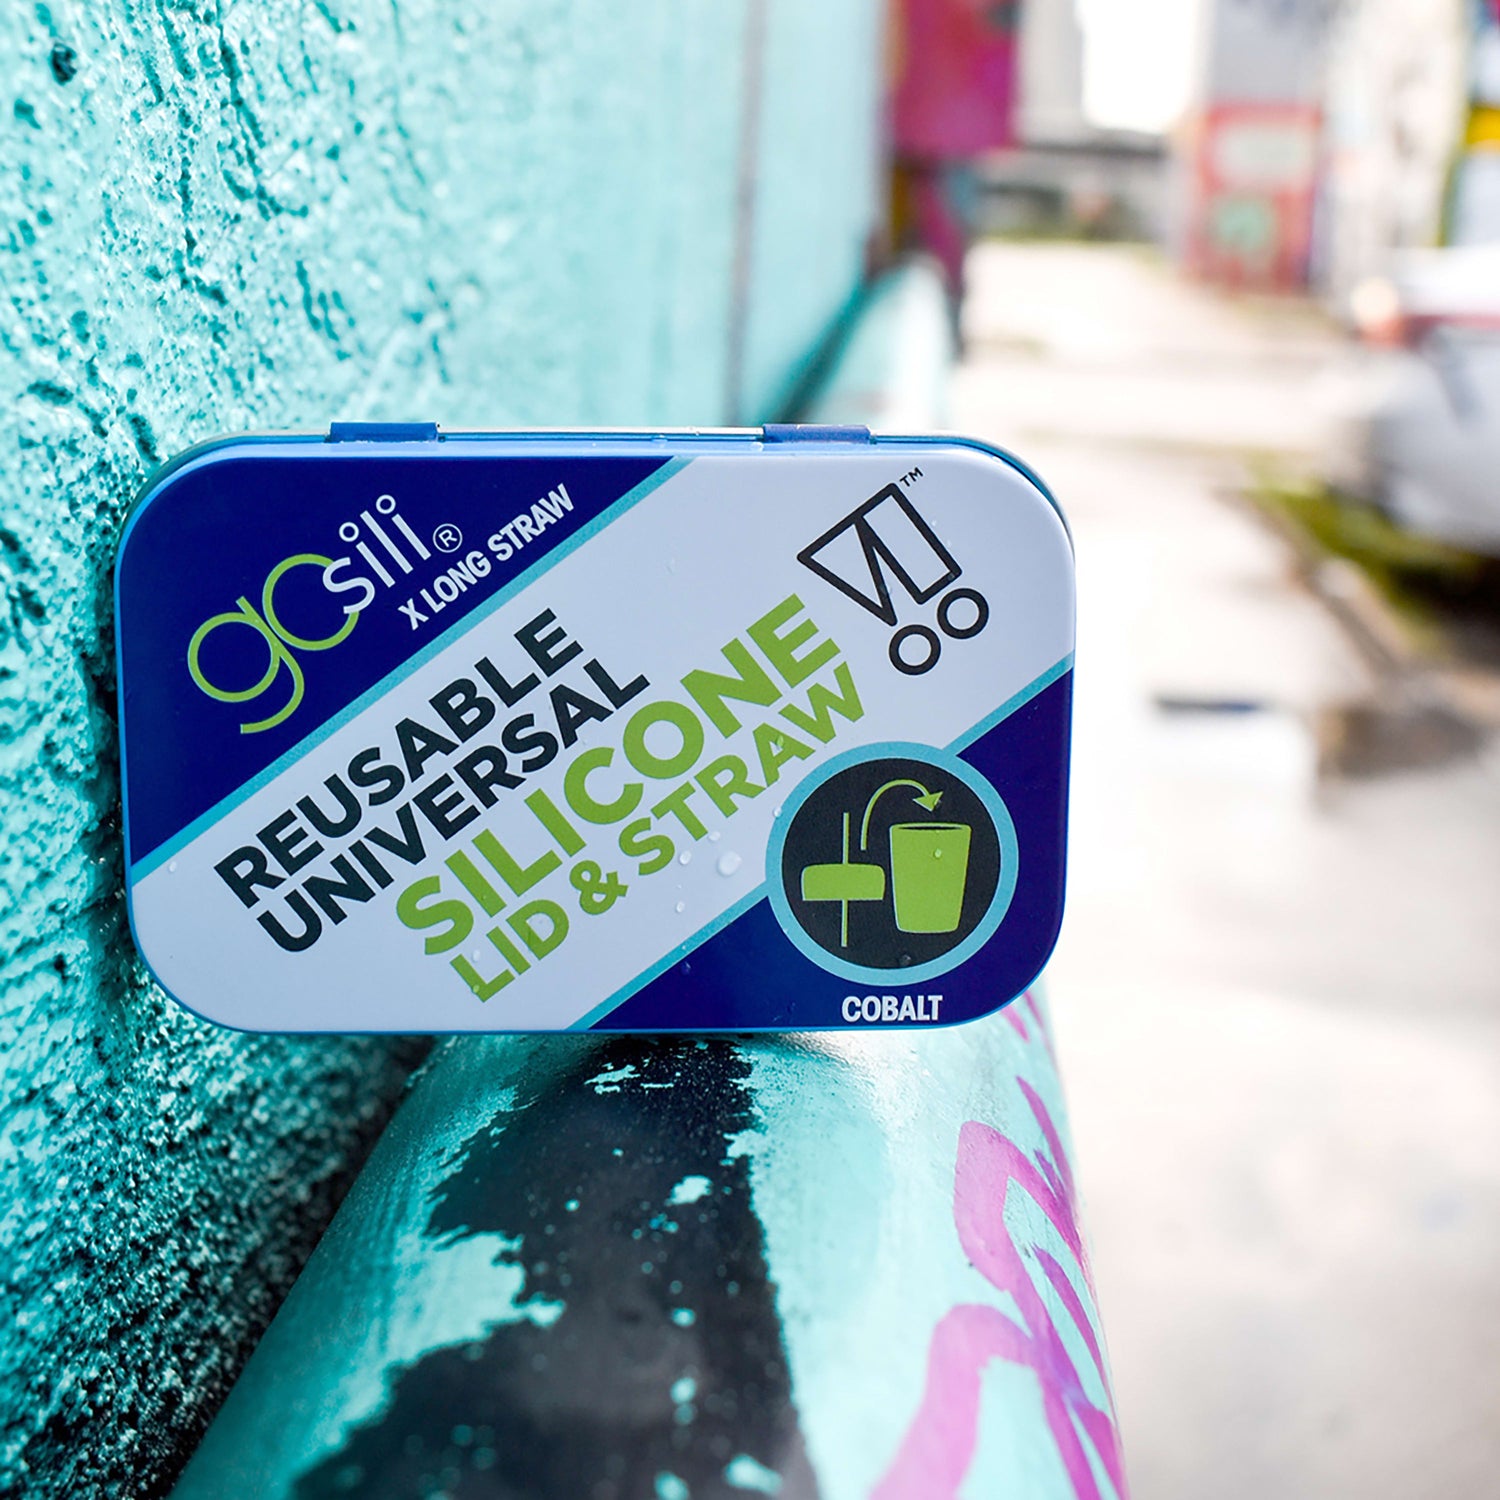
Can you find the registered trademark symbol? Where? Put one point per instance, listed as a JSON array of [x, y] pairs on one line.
[[447, 538]]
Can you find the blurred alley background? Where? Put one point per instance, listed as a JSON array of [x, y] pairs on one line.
[[1237, 296]]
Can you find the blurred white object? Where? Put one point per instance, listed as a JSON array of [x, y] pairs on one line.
[[1430, 434], [1476, 199]]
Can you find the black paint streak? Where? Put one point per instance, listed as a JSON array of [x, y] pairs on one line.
[[583, 1408]]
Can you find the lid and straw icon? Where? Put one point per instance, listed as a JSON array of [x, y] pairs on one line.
[[929, 869]]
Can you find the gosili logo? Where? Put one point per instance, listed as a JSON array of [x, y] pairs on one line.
[[887, 538], [280, 642]]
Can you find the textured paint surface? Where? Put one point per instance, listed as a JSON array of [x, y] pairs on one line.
[[817, 166], [219, 217], [613, 1330], [920, 1226]]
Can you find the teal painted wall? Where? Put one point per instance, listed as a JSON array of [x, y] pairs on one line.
[[815, 169], [218, 218]]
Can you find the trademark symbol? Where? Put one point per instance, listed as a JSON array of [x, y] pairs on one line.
[[891, 540], [447, 538]]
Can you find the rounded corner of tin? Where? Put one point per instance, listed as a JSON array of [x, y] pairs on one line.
[[209, 451], [1011, 462]]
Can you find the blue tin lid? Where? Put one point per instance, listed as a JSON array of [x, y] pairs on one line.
[[631, 731]]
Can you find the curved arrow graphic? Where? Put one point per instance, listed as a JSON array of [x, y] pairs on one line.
[[927, 799]]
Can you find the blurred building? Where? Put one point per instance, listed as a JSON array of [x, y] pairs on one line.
[[1474, 206], [1325, 136], [1051, 65], [1064, 174], [1395, 97], [1250, 146]]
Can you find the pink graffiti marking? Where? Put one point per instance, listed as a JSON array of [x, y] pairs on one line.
[[939, 1445], [1016, 1012]]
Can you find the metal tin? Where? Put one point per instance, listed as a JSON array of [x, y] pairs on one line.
[[753, 730]]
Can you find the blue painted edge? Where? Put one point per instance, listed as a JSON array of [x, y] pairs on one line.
[[762, 892], [816, 432], [163, 852], [382, 432]]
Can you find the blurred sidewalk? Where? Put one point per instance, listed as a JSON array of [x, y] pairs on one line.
[[1278, 990]]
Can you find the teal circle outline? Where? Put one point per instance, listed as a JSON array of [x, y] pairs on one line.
[[1005, 886]]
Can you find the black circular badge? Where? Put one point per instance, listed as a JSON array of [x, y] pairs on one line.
[[890, 865]]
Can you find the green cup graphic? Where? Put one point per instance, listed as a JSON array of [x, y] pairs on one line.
[[929, 871]]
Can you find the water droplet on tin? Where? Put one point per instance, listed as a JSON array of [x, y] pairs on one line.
[[686, 857], [171, 867], [682, 906], [729, 862]]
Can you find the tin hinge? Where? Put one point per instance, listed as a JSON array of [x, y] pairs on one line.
[[382, 432], [810, 432]]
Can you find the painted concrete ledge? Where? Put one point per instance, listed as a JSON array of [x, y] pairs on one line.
[[580, 1268], [585, 1268]]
